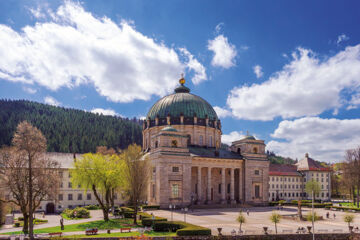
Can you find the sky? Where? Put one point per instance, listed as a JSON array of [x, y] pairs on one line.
[[288, 72]]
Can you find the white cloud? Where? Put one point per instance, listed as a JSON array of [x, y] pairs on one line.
[[306, 86], [324, 139], [231, 137], [109, 111], [193, 64], [258, 71], [29, 90], [71, 47], [342, 38], [38, 12], [51, 101], [222, 112], [224, 52]]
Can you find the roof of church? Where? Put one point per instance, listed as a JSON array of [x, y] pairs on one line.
[[283, 170], [182, 102], [169, 129], [210, 152], [309, 164]]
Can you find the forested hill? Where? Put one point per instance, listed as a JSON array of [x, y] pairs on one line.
[[68, 130]]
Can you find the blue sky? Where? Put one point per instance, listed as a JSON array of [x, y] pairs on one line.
[[286, 71]]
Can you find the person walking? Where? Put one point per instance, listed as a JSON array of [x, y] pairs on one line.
[[247, 212]]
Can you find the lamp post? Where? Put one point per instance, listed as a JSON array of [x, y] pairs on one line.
[[185, 211], [171, 207]]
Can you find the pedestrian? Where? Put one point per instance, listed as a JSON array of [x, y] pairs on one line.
[[327, 215], [334, 215], [62, 223], [247, 212]]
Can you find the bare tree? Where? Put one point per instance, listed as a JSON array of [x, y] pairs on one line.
[[136, 174], [27, 174], [352, 171]]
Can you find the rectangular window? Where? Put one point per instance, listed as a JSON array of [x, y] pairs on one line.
[[201, 140], [79, 196], [61, 185], [88, 196], [211, 141], [228, 188], [60, 197], [175, 169], [70, 185], [219, 188], [70, 197], [153, 190], [257, 191], [69, 174], [61, 174], [257, 172], [175, 190]]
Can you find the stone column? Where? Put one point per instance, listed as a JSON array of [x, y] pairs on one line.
[[241, 185], [199, 185], [209, 186], [232, 186], [223, 186]]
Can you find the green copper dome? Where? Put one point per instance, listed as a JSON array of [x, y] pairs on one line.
[[182, 102]]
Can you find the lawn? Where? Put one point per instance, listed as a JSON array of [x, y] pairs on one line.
[[100, 224], [348, 204], [68, 218], [118, 234]]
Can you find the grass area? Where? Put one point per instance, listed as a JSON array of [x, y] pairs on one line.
[[118, 234], [100, 224], [68, 218], [36, 222]]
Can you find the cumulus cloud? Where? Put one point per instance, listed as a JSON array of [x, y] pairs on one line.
[[231, 137], [29, 90], [258, 71], [224, 52], [222, 112], [194, 65], [342, 38], [324, 139], [51, 101], [306, 86], [102, 111], [71, 47]]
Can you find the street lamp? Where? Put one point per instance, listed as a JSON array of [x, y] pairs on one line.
[[171, 207], [185, 211]]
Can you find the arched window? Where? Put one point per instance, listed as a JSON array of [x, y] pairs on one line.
[[189, 140], [173, 143], [239, 151], [255, 150]]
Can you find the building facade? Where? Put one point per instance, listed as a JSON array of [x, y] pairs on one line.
[[182, 138], [288, 182]]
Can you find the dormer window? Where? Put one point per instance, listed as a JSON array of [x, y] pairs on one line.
[[173, 143]]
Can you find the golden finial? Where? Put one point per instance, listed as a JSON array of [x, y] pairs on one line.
[[182, 79]]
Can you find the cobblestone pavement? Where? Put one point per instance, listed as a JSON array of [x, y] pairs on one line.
[[258, 218]]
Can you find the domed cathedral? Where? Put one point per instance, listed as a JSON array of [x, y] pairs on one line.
[[182, 138]]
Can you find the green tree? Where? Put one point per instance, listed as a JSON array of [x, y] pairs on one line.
[[136, 174], [102, 174], [310, 216], [275, 218], [241, 219], [349, 218], [312, 187]]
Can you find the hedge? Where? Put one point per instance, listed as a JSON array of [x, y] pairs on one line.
[[78, 212], [145, 207], [147, 221], [344, 208], [304, 203], [182, 228], [92, 207]]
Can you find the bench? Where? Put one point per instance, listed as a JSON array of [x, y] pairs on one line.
[[55, 234], [287, 231], [125, 230], [91, 231], [337, 231]]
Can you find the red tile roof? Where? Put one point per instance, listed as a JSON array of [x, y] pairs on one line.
[[283, 170], [309, 164]]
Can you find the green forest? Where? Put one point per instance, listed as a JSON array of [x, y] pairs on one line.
[[69, 130]]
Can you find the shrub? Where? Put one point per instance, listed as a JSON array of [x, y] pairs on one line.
[[78, 212], [17, 224], [147, 221], [181, 228], [344, 208], [92, 207], [145, 207]]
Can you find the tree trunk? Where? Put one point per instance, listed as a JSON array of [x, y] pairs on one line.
[[106, 214], [31, 222], [275, 228], [357, 195], [240, 227], [135, 211], [26, 223]]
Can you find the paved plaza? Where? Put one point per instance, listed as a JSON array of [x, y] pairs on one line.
[[258, 218]]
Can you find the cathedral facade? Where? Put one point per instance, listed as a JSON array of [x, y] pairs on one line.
[[182, 138]]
